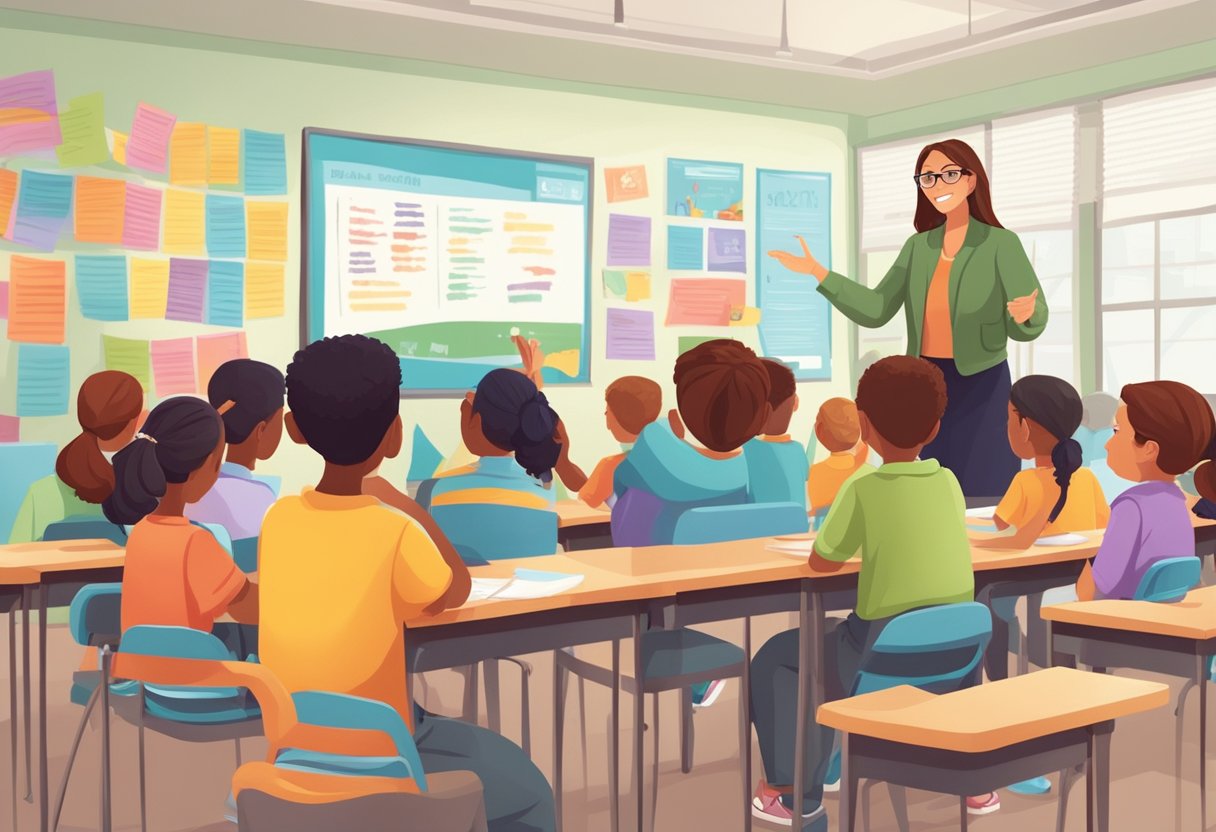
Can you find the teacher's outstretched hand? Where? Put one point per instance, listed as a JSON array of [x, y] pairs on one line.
[[806, 264]]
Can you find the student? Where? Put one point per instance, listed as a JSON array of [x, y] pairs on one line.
[[776, 465], [839, 431], [1163, 429], [906, 520], [341, 574], [631, 403], [249, 395], [109, 406], [175, 573]]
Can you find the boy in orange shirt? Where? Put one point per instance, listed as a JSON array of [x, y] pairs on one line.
[[838, 430], [632, 403]]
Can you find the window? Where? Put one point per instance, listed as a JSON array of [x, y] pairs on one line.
[[1054, 352]]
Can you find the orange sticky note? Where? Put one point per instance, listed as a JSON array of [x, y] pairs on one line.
[[223, 155], [264, 290], [214, 350], [266, 234], [8, 195], [188, 154], [183, 230], [100, 204], [37, 300], [626, 183]]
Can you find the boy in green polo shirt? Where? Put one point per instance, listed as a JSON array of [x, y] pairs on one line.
[[906, 521]]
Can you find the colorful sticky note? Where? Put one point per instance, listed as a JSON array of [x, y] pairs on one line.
[[744, 316], [141, 218], [29, 117], [184, 213], [265, 163], [4, 301], [704, 301], [100, 209], [128, 355], [637, 286], [43, 379], [187, 290], [225, 226], [685, 247], [628, 240], [148, 145], [101, 286], [10, 429], [44, 201], [37, 300], [630, 335], [615, 284], [214, 350], [149, 288], [226, 293], [626, 183], [188, 154], [727, 250], [118, 145], [223, 155], [687, 342], [173, 367], [84, 132], [264, 290], [267, 230], [8, 196]]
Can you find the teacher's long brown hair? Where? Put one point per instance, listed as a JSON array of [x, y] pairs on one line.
[[980, 201]]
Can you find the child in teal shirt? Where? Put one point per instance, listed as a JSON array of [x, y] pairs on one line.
[[776, 465]]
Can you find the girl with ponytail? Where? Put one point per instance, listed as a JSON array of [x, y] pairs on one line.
[[175, 573], [109, 407], [1057, 495]]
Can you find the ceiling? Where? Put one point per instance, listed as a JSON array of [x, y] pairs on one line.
[[862, 57]]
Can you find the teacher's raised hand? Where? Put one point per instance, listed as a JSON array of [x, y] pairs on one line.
[[806, 264], [1020, 309]]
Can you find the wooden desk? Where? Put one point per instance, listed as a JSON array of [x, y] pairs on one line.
[[581, 527], [980, 739]]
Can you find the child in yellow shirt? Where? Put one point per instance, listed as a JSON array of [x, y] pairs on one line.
[[839, 430], [631, 403]]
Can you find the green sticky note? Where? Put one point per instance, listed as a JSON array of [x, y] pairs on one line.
[[687, 342], [129, 355], [83, 130], [615, 283]]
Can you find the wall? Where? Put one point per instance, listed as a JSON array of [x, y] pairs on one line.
[[244, 90]]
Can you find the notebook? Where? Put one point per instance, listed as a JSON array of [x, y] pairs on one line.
[[526, 583]]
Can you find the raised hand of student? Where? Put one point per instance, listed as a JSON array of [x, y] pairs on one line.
[[804, 264], [573, 477], [532, 356], [1020, 309]]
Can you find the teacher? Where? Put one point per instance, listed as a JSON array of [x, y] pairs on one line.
[[966, 288]]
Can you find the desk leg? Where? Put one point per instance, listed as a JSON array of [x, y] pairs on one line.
[[12, 706], [1051, 642], [614, 772], [848, 787], [1201, 672], [559, 727], [639, 711], [804, 686], [1098, 785], [745, 716], [43, 785], [27, 601]]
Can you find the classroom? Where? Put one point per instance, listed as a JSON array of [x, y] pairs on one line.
[[600, 415]]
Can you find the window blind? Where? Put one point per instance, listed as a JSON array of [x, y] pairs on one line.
[[1034, 169], [1159, 140]]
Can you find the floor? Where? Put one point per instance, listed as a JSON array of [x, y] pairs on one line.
[[187, 784]]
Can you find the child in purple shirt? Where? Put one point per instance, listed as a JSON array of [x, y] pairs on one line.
[[1162, 430]]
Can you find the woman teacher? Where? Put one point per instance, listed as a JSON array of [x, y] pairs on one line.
[[967, 288]]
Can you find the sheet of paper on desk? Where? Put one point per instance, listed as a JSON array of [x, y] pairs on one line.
[[1061, 540], [981, 513], [527, 583], [799, 548], [483, 588]]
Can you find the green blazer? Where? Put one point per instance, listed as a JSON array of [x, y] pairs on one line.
[[990, 270]]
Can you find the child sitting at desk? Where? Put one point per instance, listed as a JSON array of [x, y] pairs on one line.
[[631, 403], [776, 465], [341, 574], [838, 430], [906, 520]]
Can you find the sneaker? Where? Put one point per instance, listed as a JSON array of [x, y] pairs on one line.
[[767, 806], [831, 783], [705, 694], [1035, 785], [984, 804]]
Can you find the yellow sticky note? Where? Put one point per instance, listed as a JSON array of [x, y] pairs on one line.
[[118, 146], [744, 316], [637, 286], [149, 287], [266, 230], [564, 361], [188, 154], [183, 232], [223, 155], [263, 290]]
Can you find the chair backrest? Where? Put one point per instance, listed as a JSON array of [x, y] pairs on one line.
[[483, 531], [714, 524], [180, 643], [23, 464], [85, 528], [1169, 580], [938, 649], [245, 553], [818, 516], [95, 616]]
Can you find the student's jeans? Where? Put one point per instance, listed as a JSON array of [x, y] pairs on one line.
[[774, 699], [517, 796]]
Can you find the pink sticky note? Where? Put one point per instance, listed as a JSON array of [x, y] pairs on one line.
[[214, 350], [10, 429], [704, 301], [148, 145], [30, 116], [4, 301], [141, 218], [173, 366]]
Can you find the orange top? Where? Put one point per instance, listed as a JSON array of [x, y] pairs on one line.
[[826, 478], [598, 487], [176, 574], [938, 338]]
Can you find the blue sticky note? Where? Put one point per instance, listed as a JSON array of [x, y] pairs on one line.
[[101, 286], [685, 248], [265, 163], [226, 293], [225, 226], [44, 202], [43, 379]]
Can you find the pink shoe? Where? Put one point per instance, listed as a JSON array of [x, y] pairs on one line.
[[984, 804], [767, 806]]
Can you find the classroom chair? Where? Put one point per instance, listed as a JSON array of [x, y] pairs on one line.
[[333, 761], [676, 659], [86, 528], [245, 553]]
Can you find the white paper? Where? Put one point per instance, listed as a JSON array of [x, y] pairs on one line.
[[1061, 540], [796, 548], [526, 584], [483, 588], [981, 513]]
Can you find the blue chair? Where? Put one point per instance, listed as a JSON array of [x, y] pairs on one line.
[[245, 553], [86, 528], [482, 532], [1168, 581], [817, 518]]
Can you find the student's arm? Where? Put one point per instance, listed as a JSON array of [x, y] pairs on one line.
[[244, 607], [1085, 584], [215, 582], [1011, 507], [1118, 550], [458, 592], [1012, 512], [871, 307], [421, 575], [1024, 536], [570, 474], [599, 485], [1018, 280], [840, 537]]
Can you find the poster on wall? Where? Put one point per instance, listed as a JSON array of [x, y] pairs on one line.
[[705, 190]]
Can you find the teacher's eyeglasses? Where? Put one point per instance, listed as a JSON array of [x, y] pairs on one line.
[[950, 177]]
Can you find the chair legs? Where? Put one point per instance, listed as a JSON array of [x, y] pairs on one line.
[[686, 730], [67, 772], [559, 727], [143, 781], [105, 739]]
